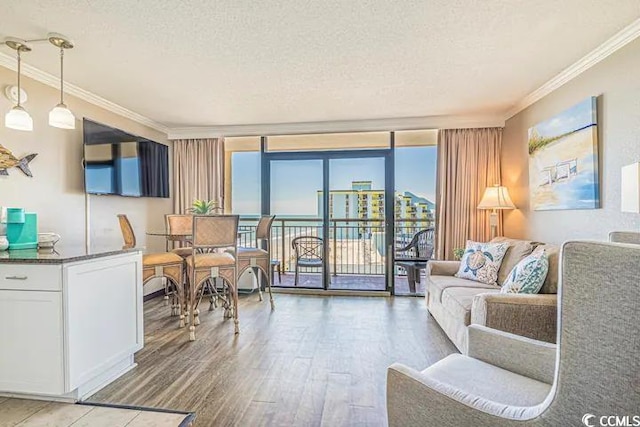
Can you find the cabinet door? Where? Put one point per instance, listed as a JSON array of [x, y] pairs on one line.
[[31, 359], [104, 314]]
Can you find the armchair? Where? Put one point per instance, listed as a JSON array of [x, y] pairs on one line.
[[509, 380]]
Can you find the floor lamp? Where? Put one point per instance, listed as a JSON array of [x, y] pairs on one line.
[[494, 198]]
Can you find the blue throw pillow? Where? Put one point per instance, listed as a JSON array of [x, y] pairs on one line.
[[527, 277], [481, 261]]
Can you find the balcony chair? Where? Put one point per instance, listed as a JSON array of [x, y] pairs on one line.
[[259, 259], [159, 265], [508, 380], [309, 253], [421, 248], [211, 235]]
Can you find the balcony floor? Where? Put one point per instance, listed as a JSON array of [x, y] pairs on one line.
[[353, 282]]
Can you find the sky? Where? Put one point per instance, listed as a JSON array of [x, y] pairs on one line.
[[577, 117], [294, 184]]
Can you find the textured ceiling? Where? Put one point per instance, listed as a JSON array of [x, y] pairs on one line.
[[227, 62]]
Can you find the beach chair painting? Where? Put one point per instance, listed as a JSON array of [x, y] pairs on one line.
[[563, 160]]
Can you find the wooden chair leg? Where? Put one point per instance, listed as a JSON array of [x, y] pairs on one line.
[[236, 322], [193, 299], [256, 273]]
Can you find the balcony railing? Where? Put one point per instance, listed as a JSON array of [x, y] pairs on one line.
[[356, 246]]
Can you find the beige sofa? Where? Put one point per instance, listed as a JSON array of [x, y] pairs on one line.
[[456, 303]]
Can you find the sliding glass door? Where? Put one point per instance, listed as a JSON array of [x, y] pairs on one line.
[[298, 233], [332, 227], [357, 217]]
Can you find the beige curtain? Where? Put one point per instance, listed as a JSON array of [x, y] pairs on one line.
[[468, 162], [198, 172]]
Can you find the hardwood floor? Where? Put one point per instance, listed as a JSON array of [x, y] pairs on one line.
[[314, 361]]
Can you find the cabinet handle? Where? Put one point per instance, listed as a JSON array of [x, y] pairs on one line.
[[16, 277]]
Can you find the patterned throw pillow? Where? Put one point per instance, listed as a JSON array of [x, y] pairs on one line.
[[481, 261], [527, 277]]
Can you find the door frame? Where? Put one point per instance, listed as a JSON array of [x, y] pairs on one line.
[[387, 154]]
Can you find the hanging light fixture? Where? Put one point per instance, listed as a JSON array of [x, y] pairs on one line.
[[18, 118], [60, 116]]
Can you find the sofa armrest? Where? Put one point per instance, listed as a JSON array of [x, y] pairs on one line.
[[442, 268], [524, 356], [529, 315]]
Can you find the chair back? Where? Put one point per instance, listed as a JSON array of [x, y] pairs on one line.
[[421, 245], [215, 231], [599, 331], [128, 235], [631, 237], [263, 229], [308, 248], [178, 224]]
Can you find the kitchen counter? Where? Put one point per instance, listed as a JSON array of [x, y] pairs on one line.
[[71, 320], [61, 255]]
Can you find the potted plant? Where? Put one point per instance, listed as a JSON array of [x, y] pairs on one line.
[[205, 207]]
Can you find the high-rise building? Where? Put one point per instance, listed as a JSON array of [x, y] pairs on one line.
[[363, 202]]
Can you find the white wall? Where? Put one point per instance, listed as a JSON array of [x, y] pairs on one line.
[[616, 83], [56, 190]]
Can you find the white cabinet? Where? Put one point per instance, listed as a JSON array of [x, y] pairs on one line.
[[68, 329], [31, 337]]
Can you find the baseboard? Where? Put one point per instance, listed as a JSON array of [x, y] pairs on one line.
[[152, 295], [330, 292]]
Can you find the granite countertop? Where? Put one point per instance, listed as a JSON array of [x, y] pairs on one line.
[[60, 255]]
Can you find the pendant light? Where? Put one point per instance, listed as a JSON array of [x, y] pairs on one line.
[[60, 116], [18, 118]]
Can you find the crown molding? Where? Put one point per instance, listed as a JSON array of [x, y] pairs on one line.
[[612, 45], [73, 90], [372, 125]]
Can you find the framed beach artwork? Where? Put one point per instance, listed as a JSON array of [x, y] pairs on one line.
[[563, 160]]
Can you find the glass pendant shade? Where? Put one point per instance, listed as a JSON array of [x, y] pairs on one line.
[[61, 117], [17, 118]]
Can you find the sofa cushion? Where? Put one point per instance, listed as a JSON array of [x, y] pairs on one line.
[[458, 301], [550, 285], [437, 284], [481, 261], [528, 276], [480, 382], [518, 249]]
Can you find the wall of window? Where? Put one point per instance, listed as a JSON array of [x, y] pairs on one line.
[[242, 176], [415, 166]]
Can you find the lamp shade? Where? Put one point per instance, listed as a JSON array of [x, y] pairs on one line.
[[17, 118], [630, 188], [496, 197], [61, 117]]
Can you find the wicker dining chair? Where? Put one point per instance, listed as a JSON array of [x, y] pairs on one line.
[[211, 235], [178, 226], [159, 265], [259, 259]]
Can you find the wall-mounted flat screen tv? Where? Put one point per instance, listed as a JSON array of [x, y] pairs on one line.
[[116, 162]]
